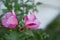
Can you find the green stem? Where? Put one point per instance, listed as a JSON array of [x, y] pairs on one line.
[[33, 5], [23, 5]]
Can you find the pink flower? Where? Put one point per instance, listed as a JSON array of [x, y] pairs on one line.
[[9, 20], [31, 21]]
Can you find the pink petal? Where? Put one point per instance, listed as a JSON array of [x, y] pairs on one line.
[[32, 24], [31, 16], [13, 12], [4, 22], [29, 22], [12, 26], [8, 14], [12, 20], [25, 19], [37, 22]]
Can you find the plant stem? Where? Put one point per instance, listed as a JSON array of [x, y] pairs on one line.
[[23, 6], [33, 5]]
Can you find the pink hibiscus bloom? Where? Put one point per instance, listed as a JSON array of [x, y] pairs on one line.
[[9, 20], [31, 21]]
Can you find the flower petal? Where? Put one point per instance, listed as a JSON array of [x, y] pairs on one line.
[[32, 24], [25, 19], [12, 20], [31, 16]]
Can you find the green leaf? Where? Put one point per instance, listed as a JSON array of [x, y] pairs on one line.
[[38, 3], [11, 36], [29, 1]]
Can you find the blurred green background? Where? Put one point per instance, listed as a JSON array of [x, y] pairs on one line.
[[53, 29]]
